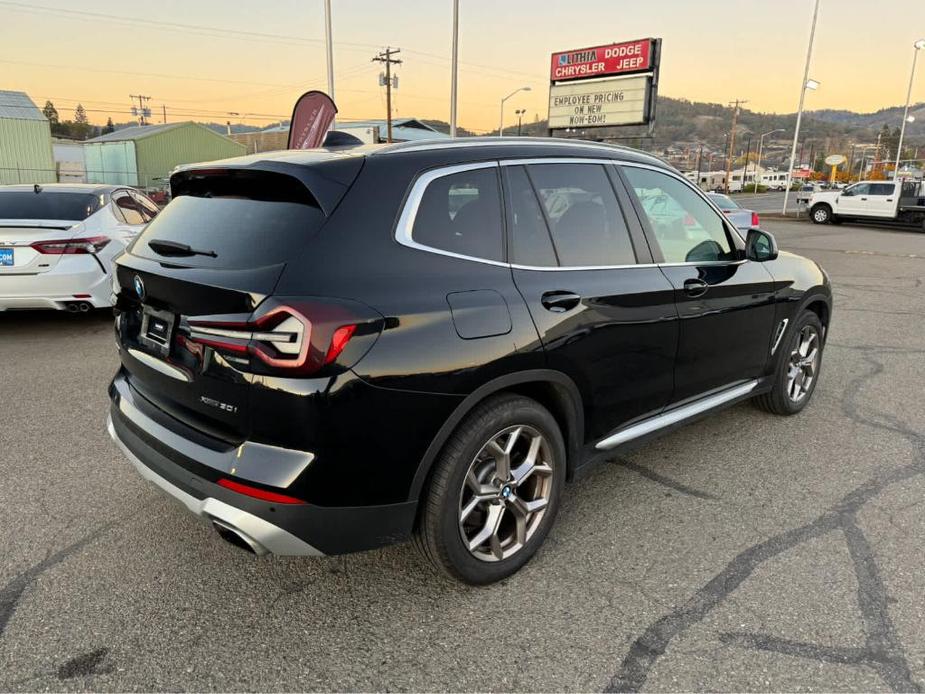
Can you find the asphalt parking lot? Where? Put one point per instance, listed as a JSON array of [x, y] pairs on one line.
[[746, 552]]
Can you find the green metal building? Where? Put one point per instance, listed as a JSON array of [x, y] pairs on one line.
[[25, 141], [144, 155]]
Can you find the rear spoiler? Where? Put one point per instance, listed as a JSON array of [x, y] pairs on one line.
[[324, 181]]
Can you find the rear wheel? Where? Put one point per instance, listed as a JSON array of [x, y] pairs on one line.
[[798, 368], [494, 492], [821, 214]]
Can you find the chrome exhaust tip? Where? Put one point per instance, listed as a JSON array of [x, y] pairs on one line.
[[71, 307], [235, 537], [83, 306]]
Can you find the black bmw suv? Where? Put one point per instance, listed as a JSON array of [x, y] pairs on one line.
[[330, 351]]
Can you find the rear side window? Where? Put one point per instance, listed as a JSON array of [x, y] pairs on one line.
[[882, 188], [530, 240], [129, 209], [582, 213], [72, 207], [461, 213]]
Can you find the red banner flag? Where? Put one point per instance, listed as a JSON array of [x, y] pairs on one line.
[[311, 118]]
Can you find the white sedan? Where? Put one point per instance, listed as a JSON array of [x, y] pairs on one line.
[[57, 242]]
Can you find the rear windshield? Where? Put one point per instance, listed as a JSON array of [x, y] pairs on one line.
[[724, 203], [20, 204], [241, 232]]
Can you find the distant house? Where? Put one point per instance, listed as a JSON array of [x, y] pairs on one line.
[[403, 130], [25, 141], [144, 155], [267, 140], [70, 161]]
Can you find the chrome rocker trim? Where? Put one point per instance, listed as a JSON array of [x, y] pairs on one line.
[[675, 416], [262, 536]]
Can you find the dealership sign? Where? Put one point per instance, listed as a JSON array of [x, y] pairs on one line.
[[600, 61], [604, 86], [615, 101]]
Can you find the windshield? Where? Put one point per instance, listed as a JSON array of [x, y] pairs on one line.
[[71, 206], [723, 202]]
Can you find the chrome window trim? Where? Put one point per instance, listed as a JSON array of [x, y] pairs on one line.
[[405, 226], [546, 268], [507, 142], [696, 189], [528, 161]]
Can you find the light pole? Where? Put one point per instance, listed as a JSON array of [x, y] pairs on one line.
[[803, 87], [520, 115], [329, 49], [918, 45], [501, 126], [454, 69], [760, 147]]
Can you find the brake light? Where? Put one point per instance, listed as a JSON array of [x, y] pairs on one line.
[[755, 220], [281, 338], [91, 244], [256, 493]]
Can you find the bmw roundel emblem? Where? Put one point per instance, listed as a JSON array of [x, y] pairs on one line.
[[139, 287]]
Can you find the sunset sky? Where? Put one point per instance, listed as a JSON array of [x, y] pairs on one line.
[[255, 58]]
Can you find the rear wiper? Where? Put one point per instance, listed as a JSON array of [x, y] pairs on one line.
[[172, 248]]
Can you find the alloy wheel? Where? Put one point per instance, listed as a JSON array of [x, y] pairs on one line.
[[505, 493], [804, 362]]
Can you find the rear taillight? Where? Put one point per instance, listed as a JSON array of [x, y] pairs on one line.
[[257, 493], [91, 244], [281, 338], [755, 220]]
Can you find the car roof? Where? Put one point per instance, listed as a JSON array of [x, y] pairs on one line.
[[92, 188], [464, 147]]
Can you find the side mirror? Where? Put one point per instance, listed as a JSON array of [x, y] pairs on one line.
[[760, 246]]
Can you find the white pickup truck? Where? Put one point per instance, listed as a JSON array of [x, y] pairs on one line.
[[902, 202]]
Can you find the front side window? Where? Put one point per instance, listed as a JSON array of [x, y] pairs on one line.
[[582, 214], [858, 189], [461, 213], [530, 240], [686, 228]]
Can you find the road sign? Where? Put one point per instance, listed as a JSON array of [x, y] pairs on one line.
[[835, 159], [599, 103]]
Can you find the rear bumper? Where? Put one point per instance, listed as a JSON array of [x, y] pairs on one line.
[[72, 275], [286, 529], [263, 537]]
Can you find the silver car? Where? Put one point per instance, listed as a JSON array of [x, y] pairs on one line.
[[742, 218]]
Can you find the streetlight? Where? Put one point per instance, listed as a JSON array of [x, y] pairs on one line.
[[918, 45], [501, 126], [807, 83], [760, 147], [520, 114]]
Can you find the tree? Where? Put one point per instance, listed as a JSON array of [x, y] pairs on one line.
[[80, 115], [109, 127], [51, 113]]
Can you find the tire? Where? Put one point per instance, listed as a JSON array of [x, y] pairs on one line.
[[821, 214], [780, 399], [469, 463]]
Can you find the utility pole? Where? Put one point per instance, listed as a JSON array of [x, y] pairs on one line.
[[732, 140], [748, 149], [386, 57], [142, 111], [699, 159], [520, 115], [164, 109]]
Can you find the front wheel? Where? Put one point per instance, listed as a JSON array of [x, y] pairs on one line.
[[821, 214], [798, 367], [494, 492]]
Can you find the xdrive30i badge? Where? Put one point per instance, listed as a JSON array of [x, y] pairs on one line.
[[211, 402]]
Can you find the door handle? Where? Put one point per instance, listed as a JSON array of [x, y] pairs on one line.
[[560, 301], [889, 199], [863, 198], [695, 288]]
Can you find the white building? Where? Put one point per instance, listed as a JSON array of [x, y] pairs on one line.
[[70, 162]]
